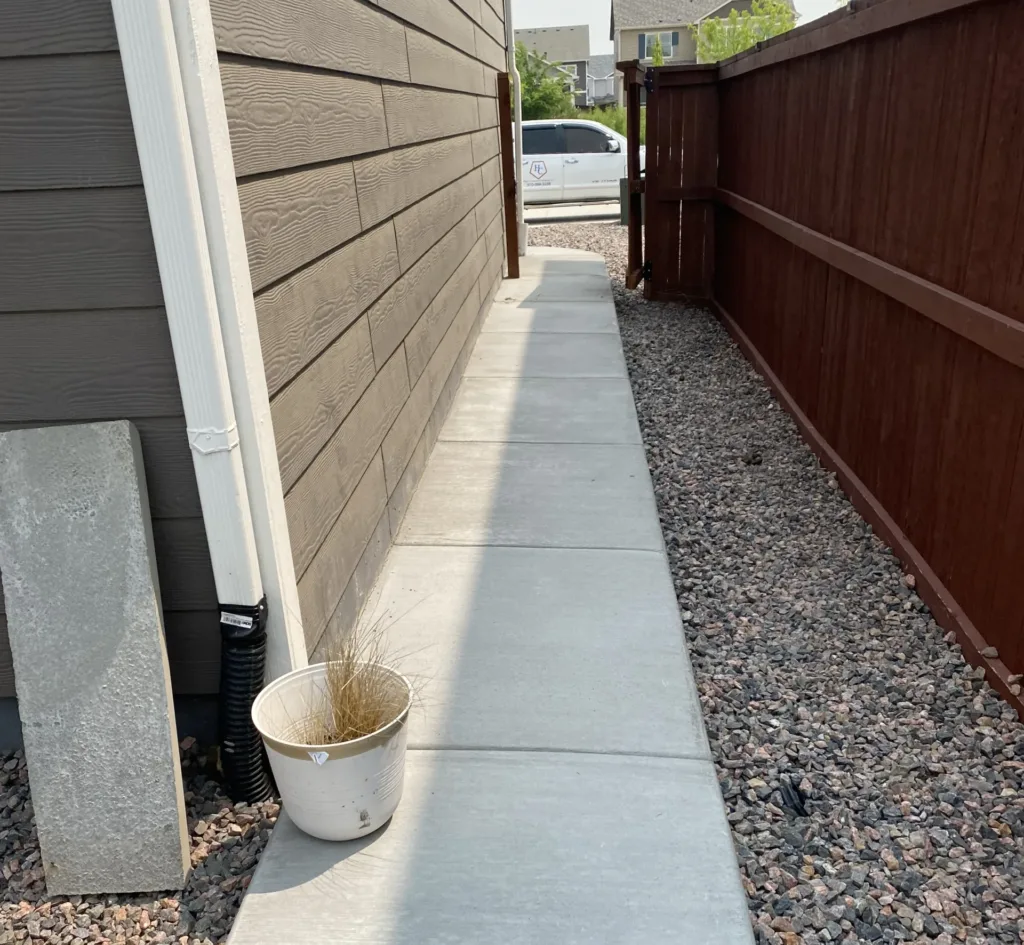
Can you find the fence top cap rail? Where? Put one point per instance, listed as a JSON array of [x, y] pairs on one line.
[[857, 19], [688, 67], [628, 65]]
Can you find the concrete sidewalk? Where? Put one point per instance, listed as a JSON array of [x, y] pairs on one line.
[[559, 787], [571, 212]]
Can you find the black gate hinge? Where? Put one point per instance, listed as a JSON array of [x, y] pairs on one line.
[[649, 81], [647, 272]]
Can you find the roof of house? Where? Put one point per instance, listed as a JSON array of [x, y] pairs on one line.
[[629, 14], [558, 43], [600, 67]]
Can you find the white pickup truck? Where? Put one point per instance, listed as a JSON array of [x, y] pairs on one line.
[[571, 160]]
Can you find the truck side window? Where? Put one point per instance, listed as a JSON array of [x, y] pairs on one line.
[[580, 140], [541, 140]]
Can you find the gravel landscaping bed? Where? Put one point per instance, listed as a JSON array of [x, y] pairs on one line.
[[874, 782], [226, 843]]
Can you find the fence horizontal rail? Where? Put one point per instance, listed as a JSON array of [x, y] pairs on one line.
[[986, 327]]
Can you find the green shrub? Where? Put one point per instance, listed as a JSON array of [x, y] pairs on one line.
[[718, 38], [614, 117], [544, 95]]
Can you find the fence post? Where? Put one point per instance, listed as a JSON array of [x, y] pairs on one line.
[[508, 174]]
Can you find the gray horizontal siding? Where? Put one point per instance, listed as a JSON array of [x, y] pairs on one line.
[[364, 140], [341, 35], [66, 123], [77, 249], [388, 41], [101, 363], [392, 181], [52, 27], [301, 315], [83, 333], [284, 117]]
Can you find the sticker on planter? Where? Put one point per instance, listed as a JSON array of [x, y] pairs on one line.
[[319, 757]]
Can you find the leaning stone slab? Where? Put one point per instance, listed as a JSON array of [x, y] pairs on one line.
[[90, 664]]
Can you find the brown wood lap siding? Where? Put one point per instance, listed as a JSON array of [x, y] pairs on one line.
[[365, 143], [83, 334]]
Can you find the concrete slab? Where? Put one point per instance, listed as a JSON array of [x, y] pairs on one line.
[[517, 848], [553, 316], [529, 354], [543, 410], [554, 287], [564, 650], [534, 495], [90, 663], [557, 259], [560, 789]]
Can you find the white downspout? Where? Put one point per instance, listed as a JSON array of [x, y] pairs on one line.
[[517, 107], [211, 146], [146, 40]]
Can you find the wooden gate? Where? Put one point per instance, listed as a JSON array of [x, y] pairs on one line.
[[677, 248]]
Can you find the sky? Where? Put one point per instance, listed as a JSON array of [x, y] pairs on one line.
[[533, 13]]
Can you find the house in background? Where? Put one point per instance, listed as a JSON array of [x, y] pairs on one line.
[[601, 80], [637, 24], [566, 46]]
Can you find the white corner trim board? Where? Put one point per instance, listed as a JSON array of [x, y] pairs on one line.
[[218, 190], [218, 370]]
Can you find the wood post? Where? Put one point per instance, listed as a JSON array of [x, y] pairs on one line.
[[508, 173]]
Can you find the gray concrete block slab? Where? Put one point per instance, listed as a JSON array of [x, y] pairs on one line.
[[521, 354], [553, 316], [543, 495], [517, 848], [544, 410], [587, 646], [90, 664]]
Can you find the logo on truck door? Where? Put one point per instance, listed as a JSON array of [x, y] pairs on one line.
[[538, 169]]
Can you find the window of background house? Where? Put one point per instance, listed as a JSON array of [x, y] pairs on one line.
[[669, 41], [571, 68], [542, 140], [579, 140]]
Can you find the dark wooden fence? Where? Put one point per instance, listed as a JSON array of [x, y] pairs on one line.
[[868, 234]]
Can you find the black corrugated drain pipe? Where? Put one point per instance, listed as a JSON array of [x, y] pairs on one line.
[[243, 661]]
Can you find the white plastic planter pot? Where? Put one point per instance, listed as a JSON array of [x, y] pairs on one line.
[[334, 792]]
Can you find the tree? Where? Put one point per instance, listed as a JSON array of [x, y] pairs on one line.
[[656, 53], [719, 38], [544, 95]]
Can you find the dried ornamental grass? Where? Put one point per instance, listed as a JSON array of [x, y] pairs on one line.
[[361, 695]]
